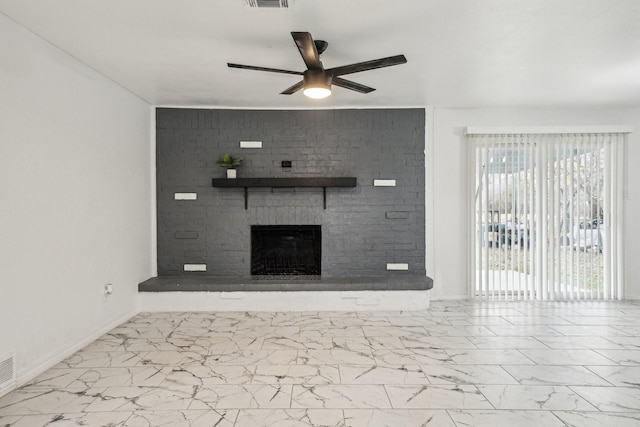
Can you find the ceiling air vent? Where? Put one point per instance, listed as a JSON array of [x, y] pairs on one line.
[[268, 3]]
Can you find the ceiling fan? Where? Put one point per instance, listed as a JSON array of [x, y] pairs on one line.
[[316, 80]]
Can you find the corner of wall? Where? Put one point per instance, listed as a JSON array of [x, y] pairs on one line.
[[153, 212]]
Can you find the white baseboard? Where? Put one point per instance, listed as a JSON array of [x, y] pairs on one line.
[[25, 375], [285, 301], [449, 297]]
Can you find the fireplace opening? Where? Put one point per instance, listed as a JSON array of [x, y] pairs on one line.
[[286, 250]]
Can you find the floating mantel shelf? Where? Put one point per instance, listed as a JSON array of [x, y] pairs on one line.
[[319, 182]]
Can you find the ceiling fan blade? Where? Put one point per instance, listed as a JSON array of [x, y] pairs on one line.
[[293, 89], [272, 70], [368, 65], [307, 49], [348, 84]]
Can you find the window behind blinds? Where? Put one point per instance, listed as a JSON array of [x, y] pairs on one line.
[[547, 216]]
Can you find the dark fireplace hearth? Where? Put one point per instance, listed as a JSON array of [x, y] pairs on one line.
[[286, 251]]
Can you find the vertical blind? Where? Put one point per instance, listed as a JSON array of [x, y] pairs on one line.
[[547, 217]]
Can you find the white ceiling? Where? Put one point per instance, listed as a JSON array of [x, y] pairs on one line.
[[461, 53]]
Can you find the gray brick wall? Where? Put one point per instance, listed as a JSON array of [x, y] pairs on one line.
[[363, 228]]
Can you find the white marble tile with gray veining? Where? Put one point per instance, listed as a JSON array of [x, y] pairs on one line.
[[296, 341], [620, 320], [622, 357], [394, 331], [499, 418], [206, 332], [301, 321], [410, 356], [506, 342], [141, 332], [333, 332], [339, 396], [554, 375], [147, 376], [598, 419], [139, 398], [437, 397], [477, 321], [267, 332], [424, 322], [182, 418], [625, 376], [628, 342], [205, 375], [368, 343], [254, 357], [535, 397], [566, 357], [463, 363], [90, 419], [523, 330], [166, 344], [460, 331], [172, 358], [489, 357], [377, 374], [57, 378], [242, 396], [290, 418], [109, 359], [577, 343], [437, 342], [37, 401], [505, 311], [611, 399], [397, 418], [537, 320], [335, 356], [467, 374], [593, 330], [234, 343], [296, 374]]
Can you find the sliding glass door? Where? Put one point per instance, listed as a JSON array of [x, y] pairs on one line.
[[546, 220]]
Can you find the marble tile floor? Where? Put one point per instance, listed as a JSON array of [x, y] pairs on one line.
[[460, 363]]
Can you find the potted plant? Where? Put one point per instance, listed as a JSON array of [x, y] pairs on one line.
[[230, 163]]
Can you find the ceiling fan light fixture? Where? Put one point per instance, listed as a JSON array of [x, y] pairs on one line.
[[317, 84], [317, 92]]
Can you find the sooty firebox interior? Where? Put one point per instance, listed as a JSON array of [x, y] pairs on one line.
[[286, 250]]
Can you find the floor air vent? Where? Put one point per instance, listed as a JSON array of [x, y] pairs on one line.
[[269, 3], [7, 373]]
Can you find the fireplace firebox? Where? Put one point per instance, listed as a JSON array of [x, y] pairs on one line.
[[286, 250]]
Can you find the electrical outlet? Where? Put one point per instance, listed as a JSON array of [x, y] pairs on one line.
[[108, 290]]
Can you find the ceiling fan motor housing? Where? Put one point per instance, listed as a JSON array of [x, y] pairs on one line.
[[317, 78]]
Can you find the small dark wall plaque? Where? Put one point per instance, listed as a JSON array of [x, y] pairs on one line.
[[186, 235], [286, 164]]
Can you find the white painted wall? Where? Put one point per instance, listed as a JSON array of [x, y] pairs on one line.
[[75, 208], [446, 169]]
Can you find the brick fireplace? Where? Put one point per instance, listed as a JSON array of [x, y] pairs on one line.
[[367, 230]]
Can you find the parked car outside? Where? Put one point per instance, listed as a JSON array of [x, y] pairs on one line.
[[510, 234], [586, 235]]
